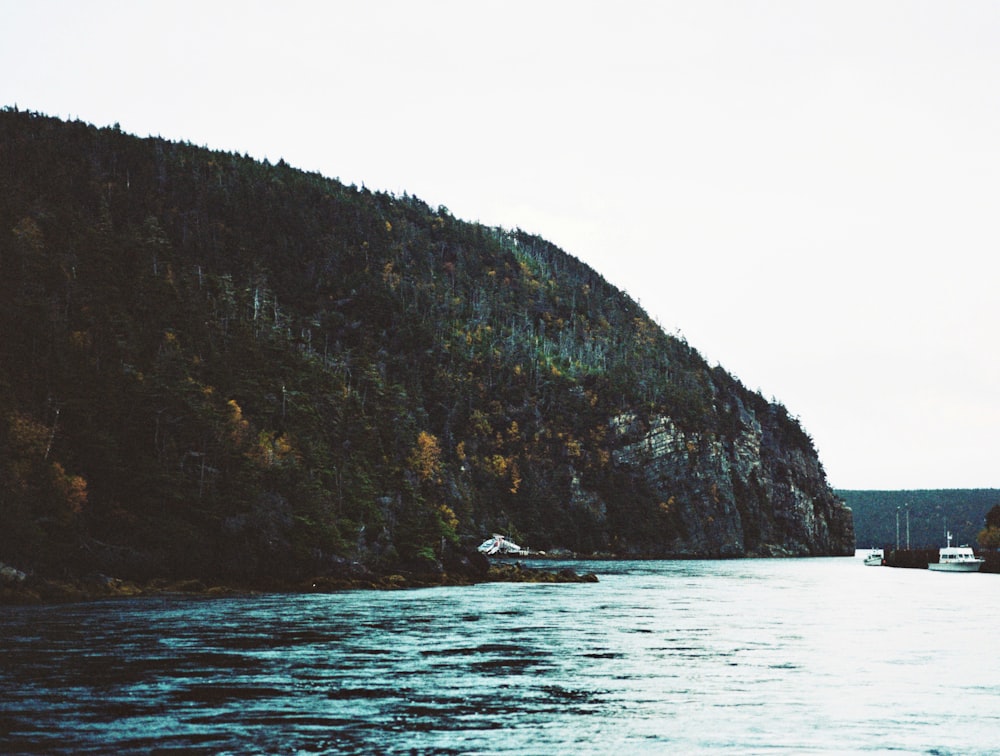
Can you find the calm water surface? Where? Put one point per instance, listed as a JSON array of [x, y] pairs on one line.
[[748, 656]]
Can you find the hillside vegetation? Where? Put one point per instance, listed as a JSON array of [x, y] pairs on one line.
[[211, 365], [931, 514]]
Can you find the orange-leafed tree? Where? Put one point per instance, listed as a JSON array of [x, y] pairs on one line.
[[425, 459], [989, 537]]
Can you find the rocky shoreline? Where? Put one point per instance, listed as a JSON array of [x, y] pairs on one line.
[[19, 588]]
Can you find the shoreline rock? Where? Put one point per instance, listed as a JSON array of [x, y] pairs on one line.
[[518, 573], [35, 590]]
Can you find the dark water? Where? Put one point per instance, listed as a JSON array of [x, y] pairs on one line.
[[749, 656]]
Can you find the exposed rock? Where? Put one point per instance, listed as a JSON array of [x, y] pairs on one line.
[[465, 561], [33, 589], [745, 495], [517, 573]]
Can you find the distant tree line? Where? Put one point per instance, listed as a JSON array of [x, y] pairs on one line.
[[932, 514]]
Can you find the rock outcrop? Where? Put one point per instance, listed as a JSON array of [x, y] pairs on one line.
[[744, 494]]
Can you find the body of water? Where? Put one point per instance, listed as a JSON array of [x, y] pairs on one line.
[[790, 656]]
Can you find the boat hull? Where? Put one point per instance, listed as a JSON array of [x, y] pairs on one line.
[[955, 567]]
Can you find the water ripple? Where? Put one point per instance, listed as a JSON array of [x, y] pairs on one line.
[[732, 657]]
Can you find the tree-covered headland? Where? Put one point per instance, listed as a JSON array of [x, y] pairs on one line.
[[214, 366]]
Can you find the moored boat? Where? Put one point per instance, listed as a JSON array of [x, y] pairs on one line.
[[956, 559], [875, 558]]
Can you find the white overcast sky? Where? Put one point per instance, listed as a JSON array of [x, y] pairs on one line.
[[807, 191]]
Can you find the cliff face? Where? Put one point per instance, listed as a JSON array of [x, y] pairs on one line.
[[211, 365], [739, 496]]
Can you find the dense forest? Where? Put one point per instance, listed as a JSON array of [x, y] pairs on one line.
[[931, 514], [211, 365]]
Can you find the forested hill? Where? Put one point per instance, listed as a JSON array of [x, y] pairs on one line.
[[932, 514], [216, 366]]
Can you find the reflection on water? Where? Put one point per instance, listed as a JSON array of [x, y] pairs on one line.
[[746, 656]]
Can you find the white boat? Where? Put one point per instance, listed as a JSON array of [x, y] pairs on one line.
[[956, 559], [498, 544], [875, 558]]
